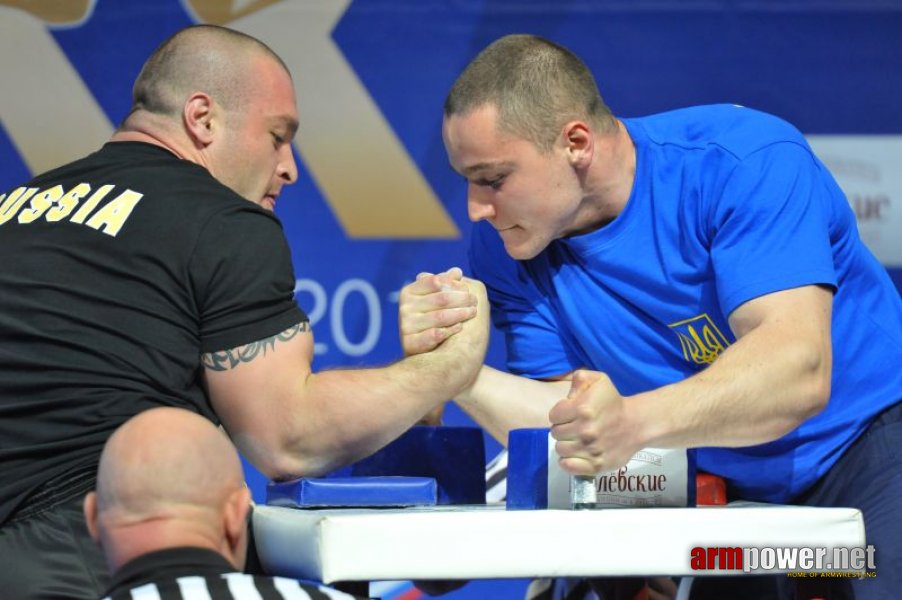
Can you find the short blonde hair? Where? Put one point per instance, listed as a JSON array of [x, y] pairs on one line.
[[536, 85]]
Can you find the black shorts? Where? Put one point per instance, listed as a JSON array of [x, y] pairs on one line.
[[51, 555]]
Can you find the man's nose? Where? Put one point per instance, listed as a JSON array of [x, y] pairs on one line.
[[479, 205], [287, 169]]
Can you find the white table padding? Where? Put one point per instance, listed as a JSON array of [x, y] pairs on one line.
[[488, 542]]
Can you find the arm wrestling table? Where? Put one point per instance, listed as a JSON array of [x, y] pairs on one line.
[[489, 542]]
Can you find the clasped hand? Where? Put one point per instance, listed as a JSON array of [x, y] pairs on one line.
[[592, 426], [433, 308]]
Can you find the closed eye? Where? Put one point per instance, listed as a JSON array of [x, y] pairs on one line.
[[494, 183]]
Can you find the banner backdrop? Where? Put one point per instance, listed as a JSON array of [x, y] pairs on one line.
[[376, 202]]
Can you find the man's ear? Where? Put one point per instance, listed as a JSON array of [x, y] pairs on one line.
[[90, 510], [198, 116], [235, 522], [580, 143]]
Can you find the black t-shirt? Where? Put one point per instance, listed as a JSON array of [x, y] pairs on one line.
[[116, 272]]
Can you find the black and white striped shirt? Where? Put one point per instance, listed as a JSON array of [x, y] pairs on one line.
[[198, 574]]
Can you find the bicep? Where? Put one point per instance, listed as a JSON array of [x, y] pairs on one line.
[[784, 353], [252, 386], [798, 312]]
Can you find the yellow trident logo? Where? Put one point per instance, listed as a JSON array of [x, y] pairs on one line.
[[700, 339]]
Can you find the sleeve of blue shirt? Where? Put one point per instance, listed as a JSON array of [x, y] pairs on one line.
[[770, 226], [535, 342]]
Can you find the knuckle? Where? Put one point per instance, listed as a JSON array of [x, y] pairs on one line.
[[584, 412]]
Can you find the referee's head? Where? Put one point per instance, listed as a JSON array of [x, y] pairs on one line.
[[169, 478]]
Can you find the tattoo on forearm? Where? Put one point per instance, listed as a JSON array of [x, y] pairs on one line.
[[229, 359]]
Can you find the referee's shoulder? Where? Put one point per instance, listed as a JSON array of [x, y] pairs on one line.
[[229, 586]]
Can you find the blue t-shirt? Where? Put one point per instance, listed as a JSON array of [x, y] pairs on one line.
[[728, 204]]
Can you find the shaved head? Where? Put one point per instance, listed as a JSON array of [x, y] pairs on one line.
[[223, 100], [165, 458], [168, 478], [202, 58]]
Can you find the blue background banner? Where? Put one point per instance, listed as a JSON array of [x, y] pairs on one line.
[[376, 202]]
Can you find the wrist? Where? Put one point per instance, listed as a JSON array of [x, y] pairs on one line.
[[648, 426], [470, 391]]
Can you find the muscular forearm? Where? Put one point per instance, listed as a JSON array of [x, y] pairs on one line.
[[337, 417], [332, 418], [354, 413], [759, 389], [501, 401], [776, 375]]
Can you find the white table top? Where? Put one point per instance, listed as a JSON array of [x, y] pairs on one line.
[[489, 542]]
